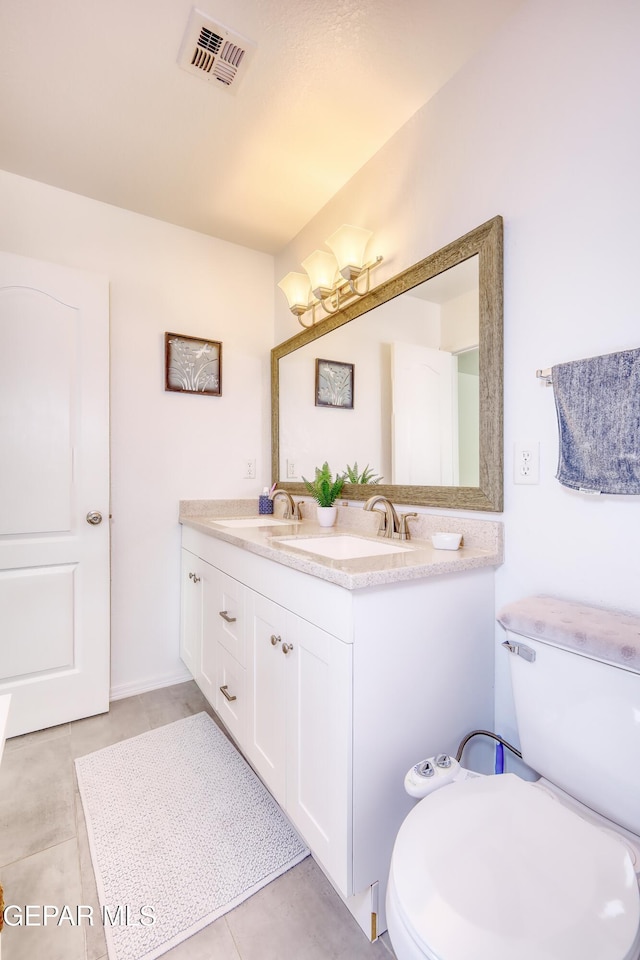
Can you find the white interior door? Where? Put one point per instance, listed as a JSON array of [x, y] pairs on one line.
[[425, 439], [54, 438]]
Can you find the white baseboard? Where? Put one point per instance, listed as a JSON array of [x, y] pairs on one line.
[[124, 690]]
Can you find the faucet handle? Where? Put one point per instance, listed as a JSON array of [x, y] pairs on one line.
[[404, 529], [382, 528]]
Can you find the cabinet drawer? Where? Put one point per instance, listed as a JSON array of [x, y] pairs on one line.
[[229, 616], [230, 694]]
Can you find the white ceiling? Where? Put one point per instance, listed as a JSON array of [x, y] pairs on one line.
[[92, 100]]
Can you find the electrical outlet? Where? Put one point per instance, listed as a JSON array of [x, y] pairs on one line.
[[526, 462], [249, 469], [291, 470]]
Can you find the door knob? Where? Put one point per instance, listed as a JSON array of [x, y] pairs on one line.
[[94, 518]]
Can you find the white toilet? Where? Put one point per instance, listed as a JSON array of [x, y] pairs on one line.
[[500, 868]]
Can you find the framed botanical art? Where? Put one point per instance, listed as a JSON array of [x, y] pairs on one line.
[[192, 365], [334, 384]]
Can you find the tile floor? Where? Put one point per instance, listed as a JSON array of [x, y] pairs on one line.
[[44, 856]]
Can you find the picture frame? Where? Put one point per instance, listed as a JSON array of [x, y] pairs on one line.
[[192, 365], [334, 384]]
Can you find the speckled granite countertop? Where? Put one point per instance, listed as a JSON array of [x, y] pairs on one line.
[[482, 542]]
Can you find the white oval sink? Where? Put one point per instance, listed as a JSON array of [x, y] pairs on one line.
[[250, 522], [344, 547]]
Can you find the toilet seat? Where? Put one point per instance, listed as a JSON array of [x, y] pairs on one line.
[[495, 869]]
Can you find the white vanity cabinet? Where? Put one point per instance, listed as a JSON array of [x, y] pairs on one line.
[[339, 691], [299, 726], [282, 687]]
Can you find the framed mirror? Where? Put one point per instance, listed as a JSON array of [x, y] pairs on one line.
[[412, 385]]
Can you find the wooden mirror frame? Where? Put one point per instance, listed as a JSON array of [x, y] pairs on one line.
[[487, 242]]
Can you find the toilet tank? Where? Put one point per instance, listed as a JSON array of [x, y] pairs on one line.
[[575, 673]]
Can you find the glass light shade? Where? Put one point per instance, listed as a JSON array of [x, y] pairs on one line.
[[296, 289], [322, 270], [349, 244]]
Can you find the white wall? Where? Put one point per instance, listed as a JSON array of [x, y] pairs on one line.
[[541, 128], [165, 446]]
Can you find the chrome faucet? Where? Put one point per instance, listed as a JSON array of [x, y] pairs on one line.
[[292, 509], [391, 522], [393, 526]]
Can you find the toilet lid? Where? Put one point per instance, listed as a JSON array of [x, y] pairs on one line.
[[495, 868]]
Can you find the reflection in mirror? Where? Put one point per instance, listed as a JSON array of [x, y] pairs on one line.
[[415, 418], [426, 350]]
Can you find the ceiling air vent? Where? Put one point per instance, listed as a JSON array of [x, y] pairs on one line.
[[213, 52]]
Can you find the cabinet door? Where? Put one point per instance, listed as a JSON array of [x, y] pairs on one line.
[[206, 671], [266, 702], [191, 611], [319, 710]]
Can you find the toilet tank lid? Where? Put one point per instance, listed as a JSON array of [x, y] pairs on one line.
[[608, 635]]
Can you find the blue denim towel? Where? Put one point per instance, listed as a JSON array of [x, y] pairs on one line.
[[598, 407]]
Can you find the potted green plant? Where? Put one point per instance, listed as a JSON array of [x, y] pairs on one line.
[[325, 490], [354, 475]]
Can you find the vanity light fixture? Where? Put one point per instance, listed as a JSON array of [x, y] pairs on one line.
[[332, 280]]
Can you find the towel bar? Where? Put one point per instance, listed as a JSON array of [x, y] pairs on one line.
[[545, 375]]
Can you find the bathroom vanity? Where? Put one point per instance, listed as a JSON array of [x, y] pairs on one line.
[[334, 674]]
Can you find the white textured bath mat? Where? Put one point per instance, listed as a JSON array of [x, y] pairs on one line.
[[181, 831]]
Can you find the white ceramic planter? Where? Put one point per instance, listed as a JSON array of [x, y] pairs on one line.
[[327, 516]]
